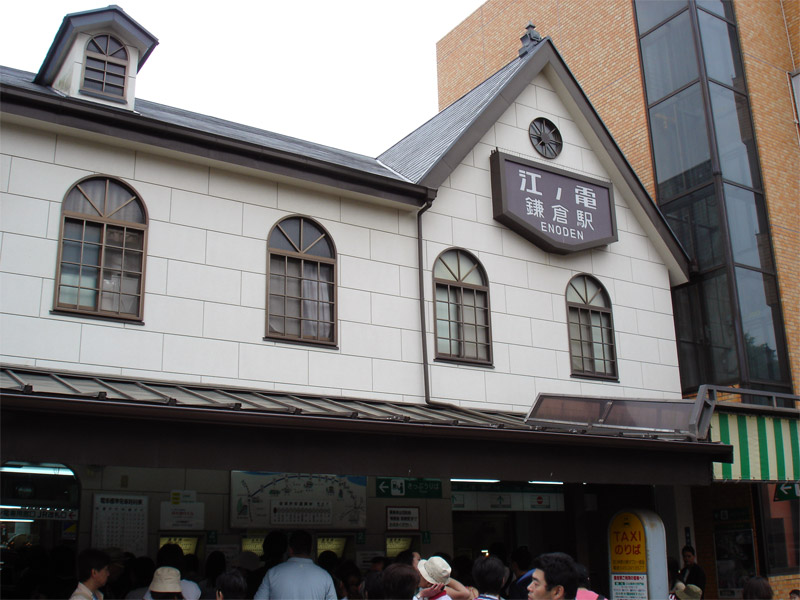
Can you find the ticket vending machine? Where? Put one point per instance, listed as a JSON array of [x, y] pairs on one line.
[[637, 551]]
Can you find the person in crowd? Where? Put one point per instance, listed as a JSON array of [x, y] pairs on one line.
[[521, 569], [378, 563], [249, 564], [555, 577], [434, 575], [584, 586], [350, 576], [215, 566], [298, 577], [372, 586], [142, 569], [171, 555], [92, 574], [400, 581], [231, 585], [489, 574], [757, 588], [692, 573], [794, 595], [166, 584], [462, 571], [408, 557], [275, 545]]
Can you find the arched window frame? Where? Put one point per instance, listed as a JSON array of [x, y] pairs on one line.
[[101, 255], [449, 295], [590, 326], [105, 67], [301, 316]]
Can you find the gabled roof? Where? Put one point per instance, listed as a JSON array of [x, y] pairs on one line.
[[110, 19], [429, 154]]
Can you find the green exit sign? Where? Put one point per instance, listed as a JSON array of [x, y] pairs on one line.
[[787, 491], [408, 487]]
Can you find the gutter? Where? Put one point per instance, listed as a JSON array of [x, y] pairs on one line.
[[422, 328]]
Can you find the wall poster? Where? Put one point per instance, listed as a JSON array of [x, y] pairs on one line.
[[120, 521], [298, 500]]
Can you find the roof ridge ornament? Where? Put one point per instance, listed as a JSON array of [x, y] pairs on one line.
[[529, 39]]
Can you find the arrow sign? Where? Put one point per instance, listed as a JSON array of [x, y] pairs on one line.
[[787, 491], [382, 486]]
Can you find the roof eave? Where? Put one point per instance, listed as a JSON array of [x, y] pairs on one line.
[[110, 121]]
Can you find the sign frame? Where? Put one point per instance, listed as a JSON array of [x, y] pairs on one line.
[[505, 214], [394, 515]]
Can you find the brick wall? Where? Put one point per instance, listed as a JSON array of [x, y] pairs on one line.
[[767, 59]]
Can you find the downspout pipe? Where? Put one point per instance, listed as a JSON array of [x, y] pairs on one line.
[[423, 330]]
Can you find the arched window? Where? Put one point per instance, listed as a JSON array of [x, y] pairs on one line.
[[102, 250], [591, 329], [106, 66], [463, 328], [301, 288]]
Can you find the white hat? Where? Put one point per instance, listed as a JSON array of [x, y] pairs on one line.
[[166, 579], [434, 570], [690, 592]]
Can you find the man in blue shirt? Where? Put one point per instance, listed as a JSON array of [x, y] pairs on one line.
[[298, 578]]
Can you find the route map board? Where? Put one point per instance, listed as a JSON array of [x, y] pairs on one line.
[[298, 500]]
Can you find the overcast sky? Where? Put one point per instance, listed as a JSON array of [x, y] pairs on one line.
[[354, 74]]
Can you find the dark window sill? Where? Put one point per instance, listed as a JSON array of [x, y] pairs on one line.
[[100, 317], [463, 362], [297, 342], [609, 378]]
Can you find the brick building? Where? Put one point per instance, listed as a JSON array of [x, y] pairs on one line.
[[642, 64]]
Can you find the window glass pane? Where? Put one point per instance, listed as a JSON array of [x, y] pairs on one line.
[[113, 45], [93, 63], [474, 277], [720, 340], [737, 151], [77, 202], [277, 264], [73, 230], [747, 223], [668, 58], [110, 302], [722, 8], [760, 305], [278, 241], [70, 275], [293, 267], [322, 248], [113, 258], [115, 236], [93, 85], [71, 252], [680, 143], [692, 357], [276, 324], [650, 13], [132, 261], [293, 327], [134, 239], [465, 265], [111, 281], [87, 298], [129, 304], [446, 266], [293, 307], [116, 69], [276, 304], [573, 293], [131, 284], [94, 46], [89, 277], [721, 51], [115, 80], [292, 229], [68, 295], [277, 285], [695, 221], [93, 232]]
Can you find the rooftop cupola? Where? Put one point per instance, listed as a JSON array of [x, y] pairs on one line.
[[96, 56]]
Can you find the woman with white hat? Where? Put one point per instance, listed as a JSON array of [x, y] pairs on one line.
[[166, 584]]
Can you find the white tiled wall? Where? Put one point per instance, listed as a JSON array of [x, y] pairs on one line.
[[204, 318]]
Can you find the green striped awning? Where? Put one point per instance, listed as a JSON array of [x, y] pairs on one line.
[[765, 448]]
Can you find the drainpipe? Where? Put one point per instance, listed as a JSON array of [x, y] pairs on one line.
[[424, 335]]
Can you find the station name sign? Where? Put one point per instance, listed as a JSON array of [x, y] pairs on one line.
[[555, 209]]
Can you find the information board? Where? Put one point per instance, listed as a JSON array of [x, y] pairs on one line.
[[298, 500], [120, 521]]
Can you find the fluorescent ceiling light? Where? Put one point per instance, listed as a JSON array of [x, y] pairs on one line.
[[476, 480], [17, 520], [31, 470], [11, 506], [547, 482]]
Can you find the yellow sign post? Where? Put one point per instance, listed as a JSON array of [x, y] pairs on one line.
[[637, 556]]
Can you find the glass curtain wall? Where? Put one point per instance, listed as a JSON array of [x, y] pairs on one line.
[[728, 317]]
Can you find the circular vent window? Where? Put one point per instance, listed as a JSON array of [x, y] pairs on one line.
[[545, 137]]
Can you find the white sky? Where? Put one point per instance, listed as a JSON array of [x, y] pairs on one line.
[[353, 74]]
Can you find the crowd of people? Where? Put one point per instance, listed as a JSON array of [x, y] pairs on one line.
[[287, 571]]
